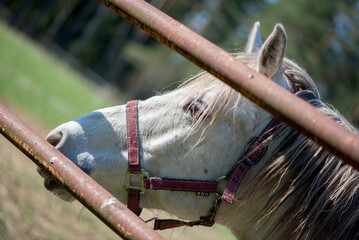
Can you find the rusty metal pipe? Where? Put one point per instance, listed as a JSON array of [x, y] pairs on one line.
[[285, 106], [100, 202]]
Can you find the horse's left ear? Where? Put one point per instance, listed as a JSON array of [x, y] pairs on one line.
[[254, 42], [270, 58]]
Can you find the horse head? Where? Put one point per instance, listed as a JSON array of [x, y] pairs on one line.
[[196, 132]]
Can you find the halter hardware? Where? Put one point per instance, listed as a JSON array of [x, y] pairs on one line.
[[257, 155], [141, 178], [138, 180]]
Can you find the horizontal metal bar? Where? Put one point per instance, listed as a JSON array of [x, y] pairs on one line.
[[100, 202], [292, 110]]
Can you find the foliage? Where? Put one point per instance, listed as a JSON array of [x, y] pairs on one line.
[[322, 38]]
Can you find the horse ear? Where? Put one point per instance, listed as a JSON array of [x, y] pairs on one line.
[[254, 42], [270, 58]]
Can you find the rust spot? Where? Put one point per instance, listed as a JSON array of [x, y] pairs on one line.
[[124, 231], [176, 137]]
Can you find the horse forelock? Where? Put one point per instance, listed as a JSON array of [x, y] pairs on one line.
[[325, 188], [227, 100]]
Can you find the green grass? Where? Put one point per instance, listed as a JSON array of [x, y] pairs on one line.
[[40, 84]]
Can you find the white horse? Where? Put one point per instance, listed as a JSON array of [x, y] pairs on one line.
[[199, 132]]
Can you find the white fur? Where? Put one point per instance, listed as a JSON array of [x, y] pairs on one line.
[[254, 43], [170, 147]]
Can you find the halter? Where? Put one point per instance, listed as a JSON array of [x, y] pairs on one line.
[[138, 180]]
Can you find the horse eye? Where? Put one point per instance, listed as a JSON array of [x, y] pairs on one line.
[[195, 108]]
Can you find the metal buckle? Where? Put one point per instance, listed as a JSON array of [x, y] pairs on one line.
[[258, 158], [219, 193], [142, 175], [250, 146], [250, 162], [150, 220], [206, 221]]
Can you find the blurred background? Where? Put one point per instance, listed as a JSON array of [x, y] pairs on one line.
[[62, 59]]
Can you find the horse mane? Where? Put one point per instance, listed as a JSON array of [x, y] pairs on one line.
[[325, 189]]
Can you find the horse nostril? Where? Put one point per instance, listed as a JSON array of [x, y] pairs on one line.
[[55, 138]]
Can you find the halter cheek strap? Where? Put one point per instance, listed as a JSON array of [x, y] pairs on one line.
[[133, 147], [138, 180], [239, 170]]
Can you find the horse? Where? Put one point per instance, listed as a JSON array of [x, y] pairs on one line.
[[202, 132]]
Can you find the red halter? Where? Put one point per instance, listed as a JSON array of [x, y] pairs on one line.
[[202, 188]]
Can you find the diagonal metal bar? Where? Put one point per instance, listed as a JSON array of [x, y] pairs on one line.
[[100, 202], [292, 110]]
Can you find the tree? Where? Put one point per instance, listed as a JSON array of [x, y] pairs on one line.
[[322, 38]]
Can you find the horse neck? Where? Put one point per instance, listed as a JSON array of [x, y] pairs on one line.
[[243, 217]]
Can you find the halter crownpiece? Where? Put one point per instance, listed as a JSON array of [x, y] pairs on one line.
[[138, 180]]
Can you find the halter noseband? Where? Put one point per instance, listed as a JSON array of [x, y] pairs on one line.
[[138, 180]]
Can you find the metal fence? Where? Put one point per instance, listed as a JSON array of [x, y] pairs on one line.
[[303, 117]]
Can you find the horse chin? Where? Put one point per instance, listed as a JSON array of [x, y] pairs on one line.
[[55, 188], [62, 194]]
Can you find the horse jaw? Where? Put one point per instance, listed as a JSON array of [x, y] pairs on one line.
[[175, 150]]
